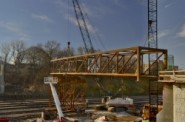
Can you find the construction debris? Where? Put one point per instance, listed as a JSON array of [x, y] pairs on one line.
[[120, 102], [105, 116]]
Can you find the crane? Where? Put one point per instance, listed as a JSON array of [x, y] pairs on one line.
[[85, 36], [83, 27], [152, 40]]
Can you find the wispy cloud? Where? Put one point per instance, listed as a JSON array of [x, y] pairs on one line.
[[169, 4], [93, 10], [182, 32], [170, 39], [64, 6], [61, 3], [75, 22], [86, 10], [163, 33], [42, 17], [118, 4], [14, 28], [180, 44]]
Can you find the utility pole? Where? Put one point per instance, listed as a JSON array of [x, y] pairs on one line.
[[68, 48]]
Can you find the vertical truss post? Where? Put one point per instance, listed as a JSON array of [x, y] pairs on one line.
[[138, 63]]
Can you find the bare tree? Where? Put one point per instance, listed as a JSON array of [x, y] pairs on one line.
[[66, 52], [5, 49], [38, 66], [18, 51], [36, 57], [81, 50], [52, 47]]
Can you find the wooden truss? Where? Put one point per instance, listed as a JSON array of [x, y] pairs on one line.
[[127, 62]]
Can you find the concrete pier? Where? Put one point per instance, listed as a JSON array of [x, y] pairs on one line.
[[173, 97]]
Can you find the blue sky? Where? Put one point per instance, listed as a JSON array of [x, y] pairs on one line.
[[119, 23]]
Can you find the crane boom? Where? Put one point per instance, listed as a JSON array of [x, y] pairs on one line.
[[85, 35], [83, 27]]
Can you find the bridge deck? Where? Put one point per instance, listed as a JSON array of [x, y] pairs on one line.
[[172, 76]]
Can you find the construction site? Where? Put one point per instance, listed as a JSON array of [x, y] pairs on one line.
[[130, 84]]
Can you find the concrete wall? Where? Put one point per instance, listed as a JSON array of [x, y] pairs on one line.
[[179, 102], [166, 115], [173, 103]]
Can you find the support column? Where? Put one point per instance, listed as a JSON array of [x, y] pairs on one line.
[[166, 114], [179, 102]]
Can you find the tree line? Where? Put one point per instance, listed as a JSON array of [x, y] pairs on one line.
[[25, 67]]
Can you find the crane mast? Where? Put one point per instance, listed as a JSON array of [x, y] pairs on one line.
[[83, 27], [152, 24], [153, 43]]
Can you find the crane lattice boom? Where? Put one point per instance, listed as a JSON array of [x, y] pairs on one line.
[[83, 27]]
